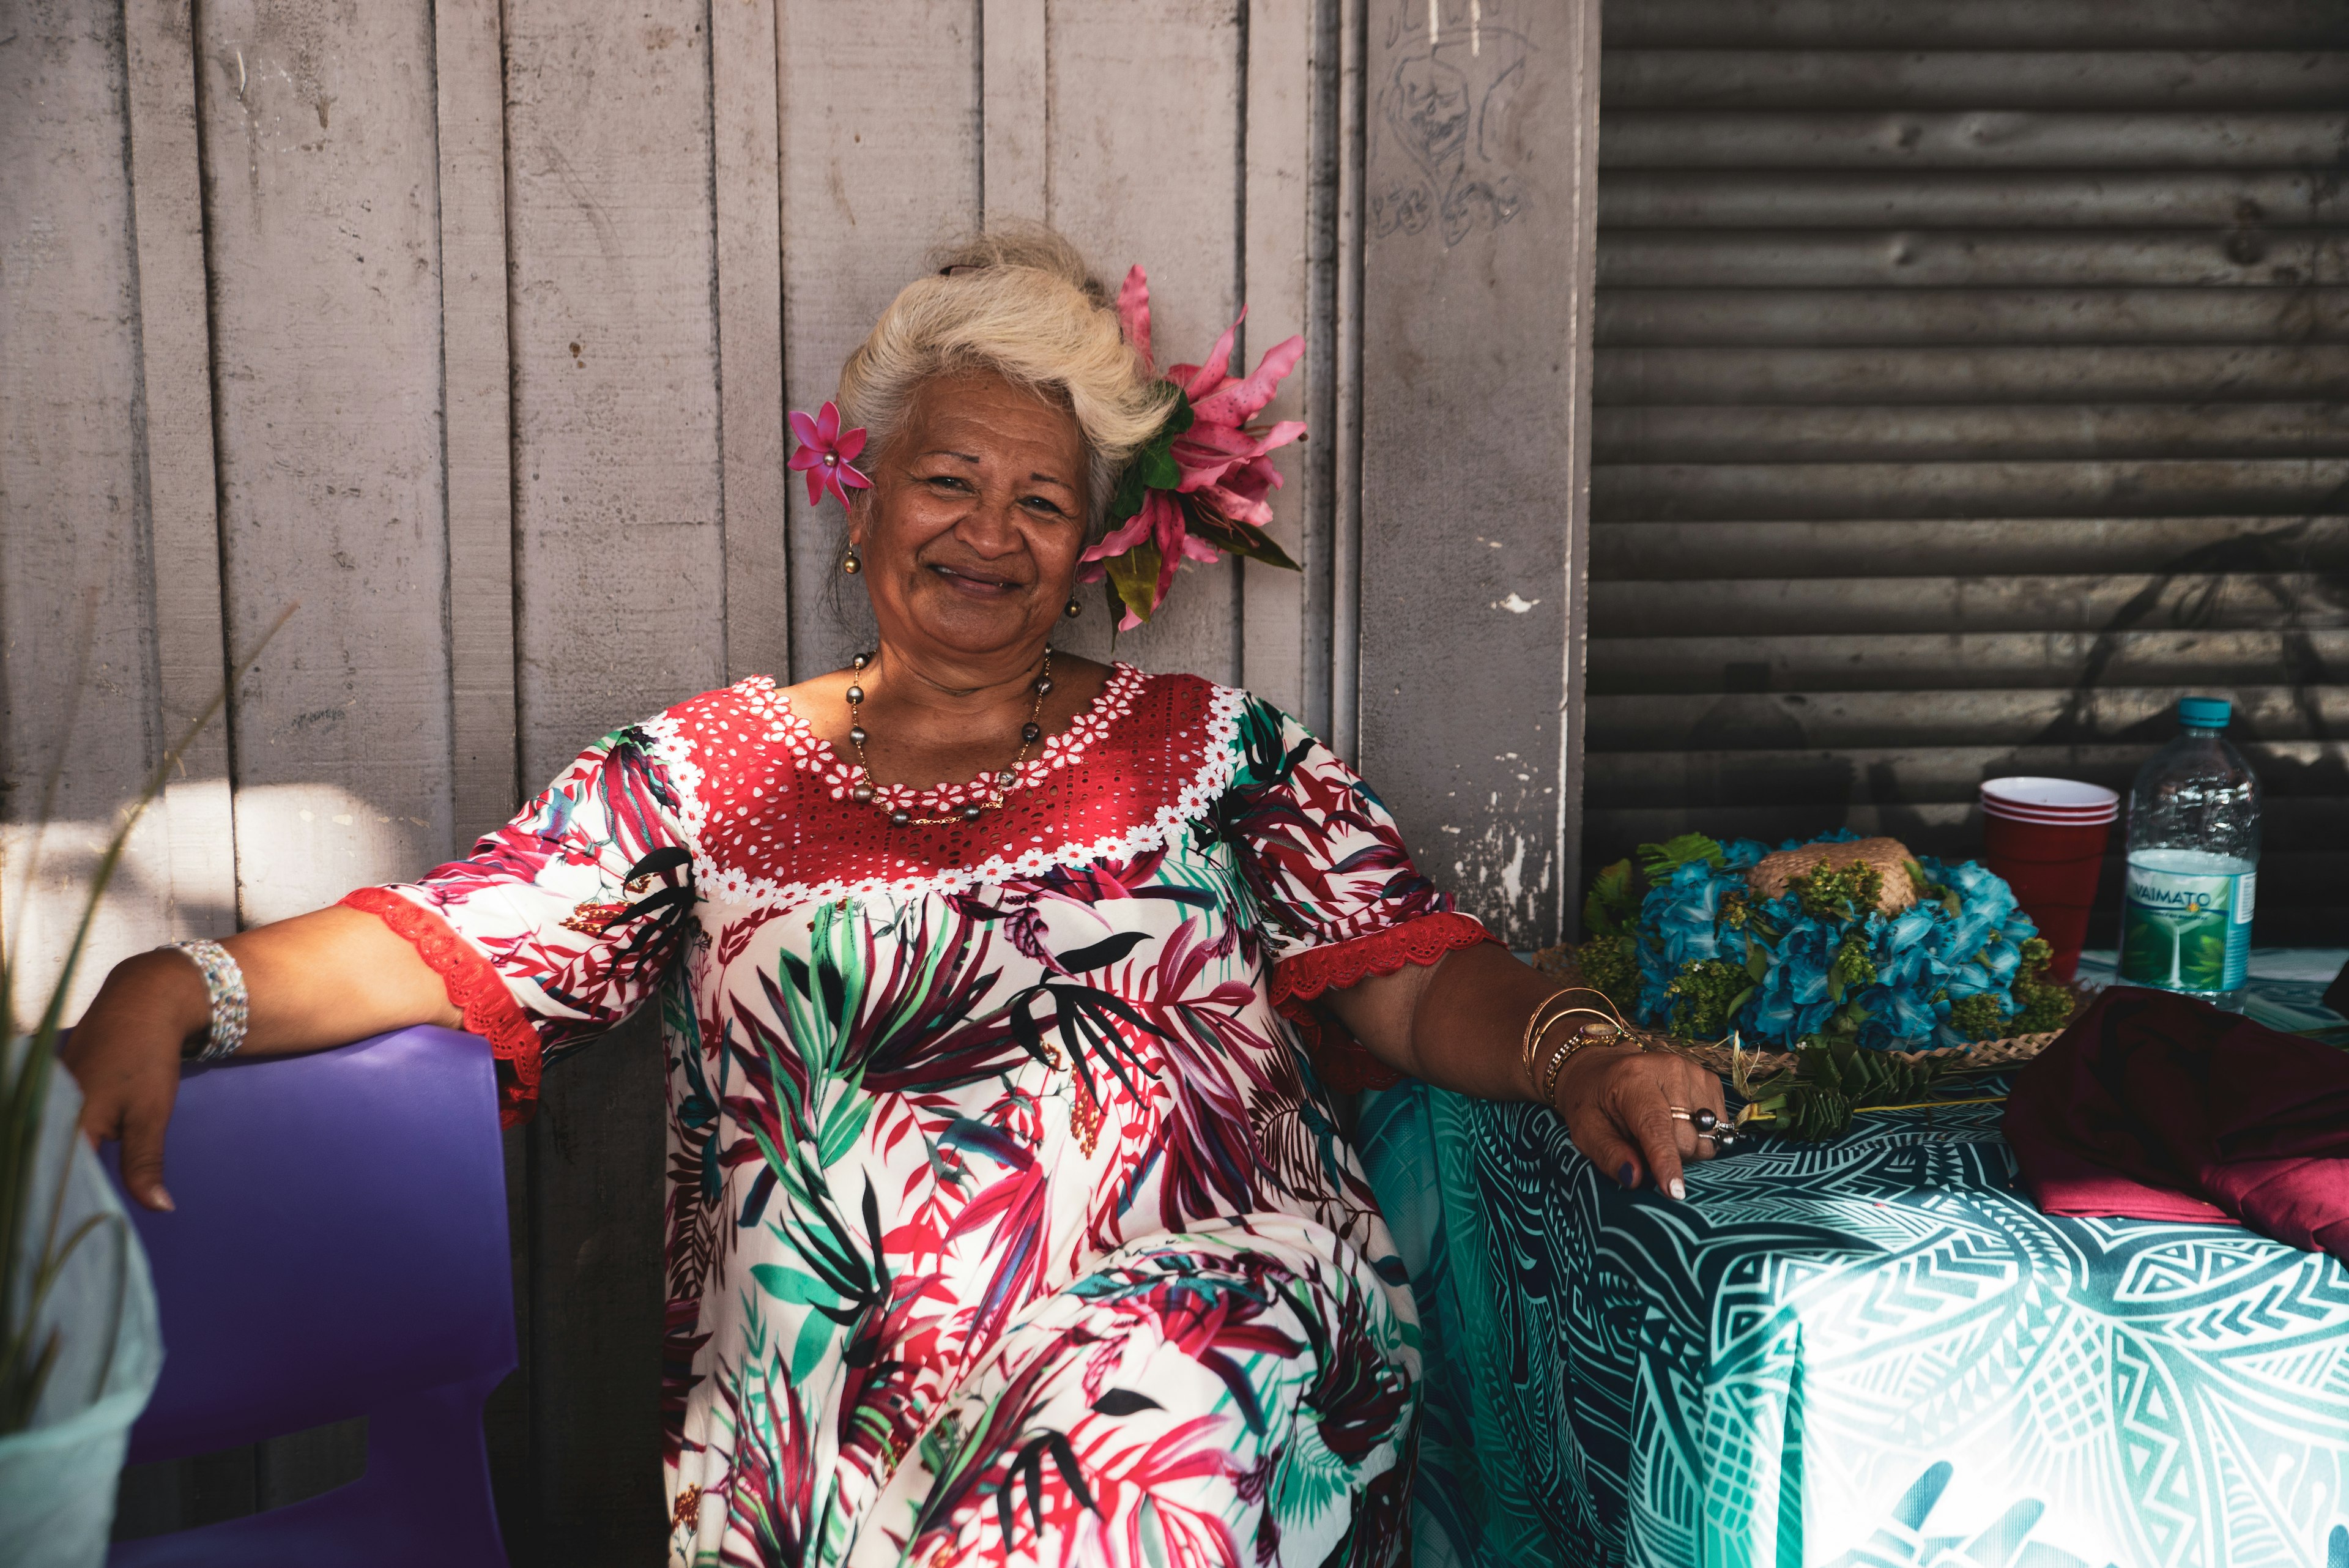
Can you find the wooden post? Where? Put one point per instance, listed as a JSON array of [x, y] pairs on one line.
[[320, 181], [1480, 164], [77, 698], [1346, 242], [1015, 110], [1276, 147], [325, 263], [1140, 105], [477, 397]]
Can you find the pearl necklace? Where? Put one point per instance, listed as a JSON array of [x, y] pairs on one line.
[[863, 791]]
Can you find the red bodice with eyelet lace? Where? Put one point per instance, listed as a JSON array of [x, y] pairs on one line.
[[778, 820]]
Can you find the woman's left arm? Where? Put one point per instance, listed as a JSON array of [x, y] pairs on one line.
[[1330, 871], [1460, 1024]]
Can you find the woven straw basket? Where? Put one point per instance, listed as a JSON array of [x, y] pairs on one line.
[[1890, 857]]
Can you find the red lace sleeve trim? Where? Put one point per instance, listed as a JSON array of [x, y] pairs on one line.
[[474, 988], [1341, 1061]]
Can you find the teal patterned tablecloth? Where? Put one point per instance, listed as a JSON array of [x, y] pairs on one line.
[[1873, 1352]]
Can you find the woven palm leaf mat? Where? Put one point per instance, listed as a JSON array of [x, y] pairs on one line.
[[1982, 1056]]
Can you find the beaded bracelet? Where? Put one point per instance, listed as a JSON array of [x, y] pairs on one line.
[[1567, 1053], [1541, 1051], [1538, 1028], [1574, 1044], [224, 987]]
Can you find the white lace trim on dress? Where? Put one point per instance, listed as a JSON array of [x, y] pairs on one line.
[[673, 750]]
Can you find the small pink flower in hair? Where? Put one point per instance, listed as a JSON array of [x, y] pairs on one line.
[[827, 454]]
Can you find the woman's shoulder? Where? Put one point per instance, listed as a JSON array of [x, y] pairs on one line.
[[723, 719], [1181, 689], [711, 739], [1175, 713]]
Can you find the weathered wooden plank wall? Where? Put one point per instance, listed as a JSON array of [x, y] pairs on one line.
[[175, 434], [75, 555], [873, 174], [470, 327], [322, 259]]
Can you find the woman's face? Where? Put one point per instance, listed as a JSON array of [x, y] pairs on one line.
[[971, 531]]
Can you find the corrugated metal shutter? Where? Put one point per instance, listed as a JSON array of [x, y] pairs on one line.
[[1971, 379]]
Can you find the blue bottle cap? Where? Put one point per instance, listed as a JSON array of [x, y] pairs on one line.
[[2204, 713]]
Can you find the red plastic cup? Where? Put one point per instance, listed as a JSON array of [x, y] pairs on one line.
[[2047, 837]]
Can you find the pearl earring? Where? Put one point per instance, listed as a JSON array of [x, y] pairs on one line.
[[853, 564], [1075, 609]]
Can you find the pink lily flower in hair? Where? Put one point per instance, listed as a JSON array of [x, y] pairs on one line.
[[1222, 456], [827, 454], [1224, 469]]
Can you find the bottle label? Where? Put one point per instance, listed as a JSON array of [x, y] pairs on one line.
[[2185, 931]]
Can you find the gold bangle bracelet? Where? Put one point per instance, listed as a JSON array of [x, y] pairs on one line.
[[1535, 1027]]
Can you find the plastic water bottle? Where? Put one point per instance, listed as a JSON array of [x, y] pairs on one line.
[[2193, 862]]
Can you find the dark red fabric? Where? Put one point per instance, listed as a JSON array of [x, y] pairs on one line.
[[2156, 1106]]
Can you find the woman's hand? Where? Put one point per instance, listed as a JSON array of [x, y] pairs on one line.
[[317, 979], [1618, 1101], [1461, 1024], [125, 1053]]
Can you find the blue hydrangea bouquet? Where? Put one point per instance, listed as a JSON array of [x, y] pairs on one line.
[[1836, 941]]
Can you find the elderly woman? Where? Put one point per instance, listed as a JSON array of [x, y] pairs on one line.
[[1005, 1216]]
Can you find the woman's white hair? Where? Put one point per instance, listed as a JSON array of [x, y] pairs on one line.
[[1022, 302]]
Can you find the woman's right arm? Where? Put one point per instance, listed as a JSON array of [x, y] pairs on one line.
[[563, 918], [318, 980]]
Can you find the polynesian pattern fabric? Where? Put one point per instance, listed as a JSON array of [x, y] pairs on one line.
[[1006, 1217], [1868, 1354]]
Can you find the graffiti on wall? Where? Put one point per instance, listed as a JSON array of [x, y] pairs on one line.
[[1445, 150]]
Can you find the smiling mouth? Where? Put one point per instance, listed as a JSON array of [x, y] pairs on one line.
[[977, 584]]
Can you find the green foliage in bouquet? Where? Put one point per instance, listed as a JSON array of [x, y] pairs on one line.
[[1609, 953], [1830, 1082], [1852, 968], [2043, 1004], [1706, 995], [1838, 892], [1609, 956], [1978, 1017], [2040, 1004]]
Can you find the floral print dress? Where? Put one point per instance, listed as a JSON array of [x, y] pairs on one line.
[[1005, 1220]]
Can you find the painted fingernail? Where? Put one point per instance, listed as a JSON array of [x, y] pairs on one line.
[[1679, 1188], [1628, 1176]]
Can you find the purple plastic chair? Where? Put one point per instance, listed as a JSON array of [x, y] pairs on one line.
[[340, 1251]]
